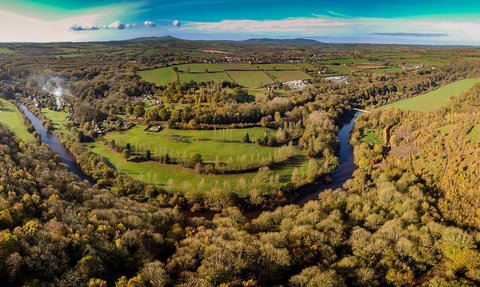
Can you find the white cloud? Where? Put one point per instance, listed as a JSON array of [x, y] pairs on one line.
[[176, 23], [115, 25], [149, 24]]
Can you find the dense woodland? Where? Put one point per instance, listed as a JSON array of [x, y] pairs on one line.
[[409, 216]]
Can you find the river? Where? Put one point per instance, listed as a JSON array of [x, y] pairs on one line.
[[340, 176], [52, 140]]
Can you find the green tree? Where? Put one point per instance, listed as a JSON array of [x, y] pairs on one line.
[[139, 111], [148, 154], [126, 153], [195, 158]]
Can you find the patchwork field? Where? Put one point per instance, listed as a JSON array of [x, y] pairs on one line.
[[57, 117], [250, 78], [433, 99], [199, 68], [285, 76], [203, 77], [306, 65], [161, 76], [340, 69], [237, 67], [446, 129], [279, 66], [11, 117], [386, 70]]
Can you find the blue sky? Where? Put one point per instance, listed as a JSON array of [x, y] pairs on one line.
[[410, 22]]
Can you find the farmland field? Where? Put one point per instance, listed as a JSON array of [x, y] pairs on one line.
[[250, 78], [161, 76], [57, 117], [160, 173], [6, 51], [340, 69], [433, 99], [306, 65], [385, 70], [199, 68], [237, 67], [11, 117], [203, 77], [285, 76], [269, 67]]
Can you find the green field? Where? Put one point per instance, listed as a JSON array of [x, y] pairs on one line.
[[6, 51], [386, 70], [158, 173], [57, 117], [250, 78], [434, 99], [306, 65], [203, 77], [161, 76], [474, 134], [446, 129], [11, 117], [237, 67], [199, 68], [279, 66], [340, 69], [372, 137], [285, 76]]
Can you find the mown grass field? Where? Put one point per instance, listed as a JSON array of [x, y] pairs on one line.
[[159, 173], [57, 117], [208, 148], [181, 177], [237, 67], [434, 99], [279, 66], [474, 134], [340, 69], [161, 76], [446, 129], [285, 76], [250, 78], [306, 65], [199, 68], [203, 77], [11, 117], [387, 70]]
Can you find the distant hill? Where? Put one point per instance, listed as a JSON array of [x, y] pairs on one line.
[[268, 41], [164, 38]]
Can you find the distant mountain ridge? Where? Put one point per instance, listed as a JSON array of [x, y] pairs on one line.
[[296, 41], [266, 41]]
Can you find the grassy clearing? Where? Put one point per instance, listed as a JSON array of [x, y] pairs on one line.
[[11, 117], [161, 76], [199, 68], [6, 51], [181, 177], [433, 99], [250, 78], [306, 65], [158, 173], [285, 76], [237, 67], [340, 69], [372, 137], [446, 129], [279, 66], [203, 77], [208, 148], [474, 134], [386, 70], [57, 117]]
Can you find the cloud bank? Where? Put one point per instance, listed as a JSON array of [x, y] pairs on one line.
[[117, 25]]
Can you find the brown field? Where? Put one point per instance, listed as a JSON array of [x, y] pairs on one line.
[[215, 52], [29, 50]]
